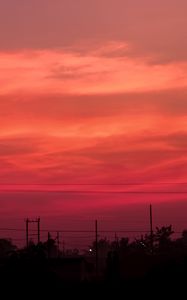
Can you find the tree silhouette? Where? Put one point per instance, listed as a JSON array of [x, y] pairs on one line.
[[163, 236], [6, 247]]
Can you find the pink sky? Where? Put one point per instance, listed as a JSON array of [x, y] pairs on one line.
[[91, 92]]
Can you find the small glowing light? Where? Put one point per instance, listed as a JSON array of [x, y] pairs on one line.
[[90, 250]]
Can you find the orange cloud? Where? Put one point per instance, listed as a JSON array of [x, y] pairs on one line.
[[94, 72]]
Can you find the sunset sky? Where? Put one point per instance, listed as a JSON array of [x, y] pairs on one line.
[[92, 92]]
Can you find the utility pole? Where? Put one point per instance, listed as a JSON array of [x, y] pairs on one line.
[[38, 221], [48, 244], [151, 228], [96, 248], [28, 221], [58, 243], [27, 232]]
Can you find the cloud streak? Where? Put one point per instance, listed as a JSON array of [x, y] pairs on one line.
[[70, 73]]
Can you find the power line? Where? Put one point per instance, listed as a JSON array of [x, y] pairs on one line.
[[96, 192], [11, 229], [82, 231], [92, 184]]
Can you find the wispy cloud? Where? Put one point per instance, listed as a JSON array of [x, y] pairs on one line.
[[71, 73]]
